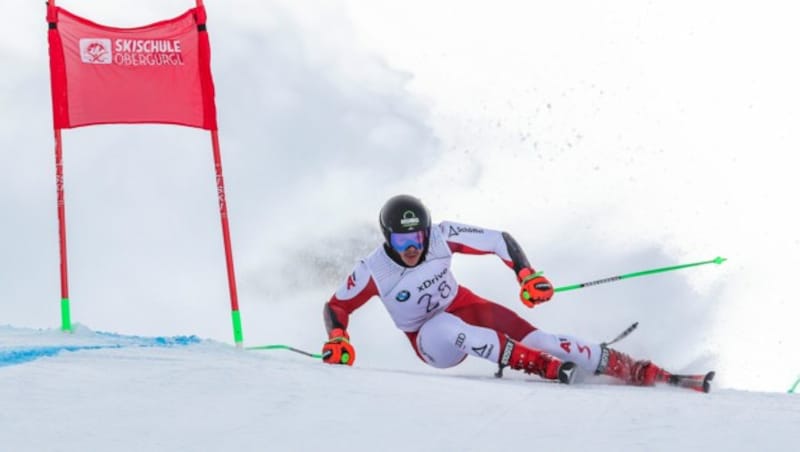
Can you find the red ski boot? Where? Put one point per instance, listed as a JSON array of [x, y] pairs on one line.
[[622, 366], [531, 361]]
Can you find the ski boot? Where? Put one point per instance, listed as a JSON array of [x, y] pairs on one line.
[[632, 372], [520, 357]]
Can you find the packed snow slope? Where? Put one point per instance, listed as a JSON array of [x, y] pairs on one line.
[[92, 391]]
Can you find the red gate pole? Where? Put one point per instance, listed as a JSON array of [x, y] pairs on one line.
[[66, 324], [226, 238]]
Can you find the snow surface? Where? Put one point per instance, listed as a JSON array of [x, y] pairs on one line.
[[107, 392]]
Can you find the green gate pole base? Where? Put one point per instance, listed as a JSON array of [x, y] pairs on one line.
[[237, 328], [66, 324], [794, 386]]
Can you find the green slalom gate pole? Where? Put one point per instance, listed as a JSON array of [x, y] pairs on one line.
[[717, 260], [285, 347], [794, 386]]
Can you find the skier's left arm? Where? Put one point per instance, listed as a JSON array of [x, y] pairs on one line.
[[462, 238]]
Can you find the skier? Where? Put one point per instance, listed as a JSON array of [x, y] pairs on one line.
[[444, 321]]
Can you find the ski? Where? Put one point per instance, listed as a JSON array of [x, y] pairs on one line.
[[699, 382], [566, 373]]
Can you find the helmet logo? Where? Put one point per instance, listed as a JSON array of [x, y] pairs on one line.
[[409, 219]]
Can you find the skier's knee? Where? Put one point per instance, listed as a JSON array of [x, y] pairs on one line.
[[436, 342]]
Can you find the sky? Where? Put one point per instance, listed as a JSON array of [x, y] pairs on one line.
[[101, 391], [607, 139]]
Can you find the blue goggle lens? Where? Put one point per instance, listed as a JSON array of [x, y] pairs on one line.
[[402, 241]]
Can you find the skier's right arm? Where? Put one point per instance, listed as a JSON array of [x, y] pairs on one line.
[[356, 290]]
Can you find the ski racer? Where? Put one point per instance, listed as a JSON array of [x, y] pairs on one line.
[[445, 322]]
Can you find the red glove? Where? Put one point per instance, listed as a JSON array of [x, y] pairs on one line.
[[338, 349], [535, 288]]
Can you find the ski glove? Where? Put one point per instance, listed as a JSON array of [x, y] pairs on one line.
[[535, 288], [338, 349]]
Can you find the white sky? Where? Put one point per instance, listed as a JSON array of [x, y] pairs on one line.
[[607, 138]]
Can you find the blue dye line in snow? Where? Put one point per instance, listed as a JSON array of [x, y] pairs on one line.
[[158, 341], [23, 355], [12, 356]]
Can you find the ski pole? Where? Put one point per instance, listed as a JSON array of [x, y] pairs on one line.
[[717, 260], [621, 335], [284, 347]]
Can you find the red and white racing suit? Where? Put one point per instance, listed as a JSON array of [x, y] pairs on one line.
[[444, 321]]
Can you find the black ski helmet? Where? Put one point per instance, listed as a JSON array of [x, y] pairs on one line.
[[405, 213]]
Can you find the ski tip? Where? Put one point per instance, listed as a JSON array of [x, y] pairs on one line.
[[695, 382], [566, 373], [707, 381], [720, 260]]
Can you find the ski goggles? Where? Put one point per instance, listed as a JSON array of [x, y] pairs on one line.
[[401, 241]]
